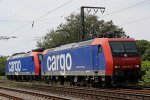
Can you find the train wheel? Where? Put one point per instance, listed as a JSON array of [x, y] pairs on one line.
[[107, 82]]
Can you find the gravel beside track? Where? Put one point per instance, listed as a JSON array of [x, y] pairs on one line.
[[6, 96], [22, 96], [30, 95], [87, 93], [96, 93]]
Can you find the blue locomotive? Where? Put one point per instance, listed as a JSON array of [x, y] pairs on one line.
[[97, 62], [24, 66]]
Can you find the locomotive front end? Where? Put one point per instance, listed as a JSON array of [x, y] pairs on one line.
[[126, 61]]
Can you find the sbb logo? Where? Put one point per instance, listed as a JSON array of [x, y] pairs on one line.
[[14, 66], [60, 62]]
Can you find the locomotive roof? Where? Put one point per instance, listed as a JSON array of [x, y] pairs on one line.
[[86, 43], [19, 55], [121, 39], [69, 46]]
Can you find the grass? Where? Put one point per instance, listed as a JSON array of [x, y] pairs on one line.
[[3, 78]]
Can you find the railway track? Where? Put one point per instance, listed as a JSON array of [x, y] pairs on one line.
[[95, 93], [44, 96], [91, 93], [7, 96], [146, 88], [99, 93]]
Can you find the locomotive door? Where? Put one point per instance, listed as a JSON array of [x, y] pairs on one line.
[[101, 60], [95, 58], [98, 58]]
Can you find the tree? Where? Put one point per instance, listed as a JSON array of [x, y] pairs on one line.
[[143, 45], [70, 31], [2, 65], [144, 49], [146, 55]]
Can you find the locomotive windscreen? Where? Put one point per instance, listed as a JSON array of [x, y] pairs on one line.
[[124, 48]]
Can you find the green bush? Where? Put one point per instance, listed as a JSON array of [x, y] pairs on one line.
[[145, 65], [146, 77]]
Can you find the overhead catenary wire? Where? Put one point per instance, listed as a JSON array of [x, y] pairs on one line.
[[40, 17], [137, 4], [131, 22], [13, 32], [135, 21], [53, 10], [44, 22], [16, 21], [17, 13], [126, 8], [20, 11], [47, 14], [30, 23], [25, 8]]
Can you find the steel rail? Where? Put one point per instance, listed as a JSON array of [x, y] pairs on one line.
[[35, 94], [119, 94], [87, 93], [10, 96]]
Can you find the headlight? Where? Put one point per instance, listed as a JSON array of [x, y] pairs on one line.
[[137, 66], [116, 67]]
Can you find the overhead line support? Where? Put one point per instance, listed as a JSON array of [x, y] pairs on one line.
[[82, 33]]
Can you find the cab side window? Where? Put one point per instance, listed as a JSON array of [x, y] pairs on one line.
[[40, 57], [100, 50]]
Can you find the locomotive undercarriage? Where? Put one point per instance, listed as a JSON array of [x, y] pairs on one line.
[[126, 78], [83, 81], [119, 78], [23, 77]]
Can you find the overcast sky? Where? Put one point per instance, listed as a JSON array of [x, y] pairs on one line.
[[17, 16]]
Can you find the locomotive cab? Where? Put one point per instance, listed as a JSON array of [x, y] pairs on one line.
[[126, 62]]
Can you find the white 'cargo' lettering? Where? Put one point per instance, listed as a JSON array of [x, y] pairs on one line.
[[14, 66], [62, 61]]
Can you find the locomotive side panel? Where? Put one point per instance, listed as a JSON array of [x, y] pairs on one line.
[[20, 66], [106, 53], [76, 61]]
